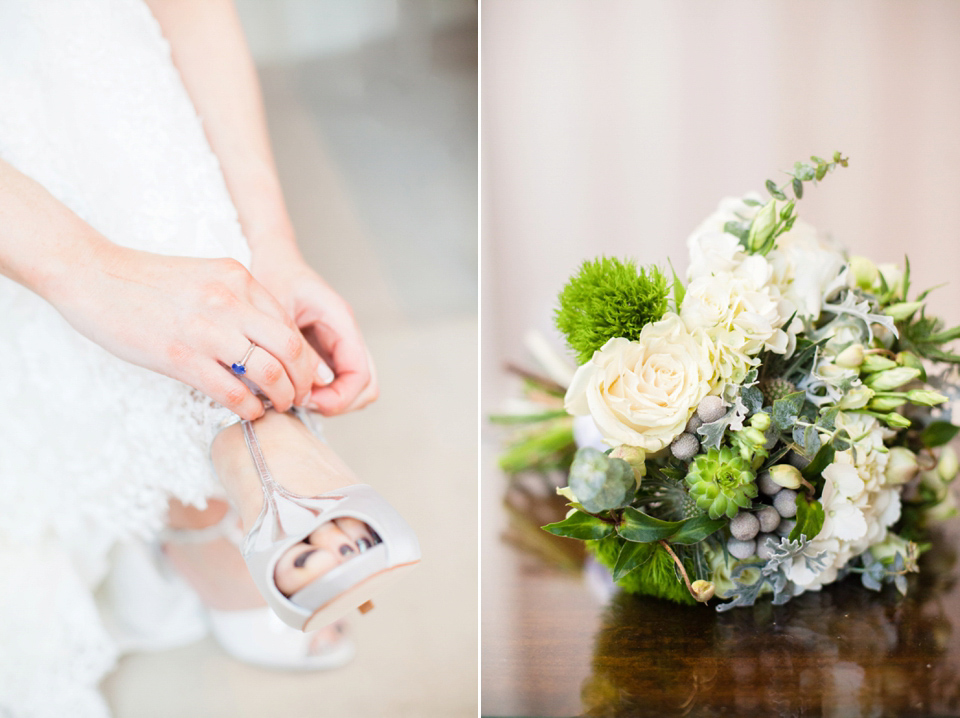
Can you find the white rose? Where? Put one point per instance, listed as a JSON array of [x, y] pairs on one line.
[[806, 268], [641, 393]]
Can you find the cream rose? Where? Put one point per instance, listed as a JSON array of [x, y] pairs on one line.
[[641, 393]]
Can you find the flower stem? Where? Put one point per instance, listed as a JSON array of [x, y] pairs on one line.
[[676, 560]]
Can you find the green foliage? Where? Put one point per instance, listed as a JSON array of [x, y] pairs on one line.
[[925, 336], [545, 447], [810, 519], [938, 433], [580, 526], [608, 298], [642, 528], [761, 234], [657, 574]]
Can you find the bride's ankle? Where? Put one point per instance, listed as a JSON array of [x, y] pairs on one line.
[[182, 516]]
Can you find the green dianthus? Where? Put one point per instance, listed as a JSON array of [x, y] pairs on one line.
[[656, 577], [608, 298]]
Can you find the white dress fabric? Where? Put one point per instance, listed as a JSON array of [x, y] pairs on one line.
[[92, 448]]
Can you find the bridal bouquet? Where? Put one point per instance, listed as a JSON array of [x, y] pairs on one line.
[[774, 423]]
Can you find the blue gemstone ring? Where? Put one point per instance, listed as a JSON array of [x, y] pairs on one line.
[[240, 368]]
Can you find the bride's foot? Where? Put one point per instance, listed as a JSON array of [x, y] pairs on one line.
[[306, 466], [215, 569]]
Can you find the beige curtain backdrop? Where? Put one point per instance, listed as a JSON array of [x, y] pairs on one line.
[[614, 126]]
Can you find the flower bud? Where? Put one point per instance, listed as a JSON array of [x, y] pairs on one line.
[[893, 276], [786, 476], [760, 421], [943, 510], [567, 493], [891, 378], [752, 436], [851, 357], [901, 466], [924, 397], [948, 466], [887, 403], [633, 455], [863, 272], [910, 359], [875, 362], [702, 590], [896, 421], [856, 398], [763, 225], [902, 310]]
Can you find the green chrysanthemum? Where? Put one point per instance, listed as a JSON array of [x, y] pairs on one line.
[[722, 482]]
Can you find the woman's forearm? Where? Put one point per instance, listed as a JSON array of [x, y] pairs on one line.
[[43, 245], [211, 53]]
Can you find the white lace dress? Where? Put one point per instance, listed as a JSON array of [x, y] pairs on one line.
[[91, 448]]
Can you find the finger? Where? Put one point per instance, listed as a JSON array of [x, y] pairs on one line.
[[264, 370], [352, 368], [223, 387], [370, 393], [288, 346]]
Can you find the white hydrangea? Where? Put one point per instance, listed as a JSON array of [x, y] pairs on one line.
[[806, 269], [859, 506], [740, 317]]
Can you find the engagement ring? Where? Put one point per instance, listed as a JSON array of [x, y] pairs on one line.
[[239, 368]]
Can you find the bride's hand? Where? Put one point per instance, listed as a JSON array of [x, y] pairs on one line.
[[190, 319], [346, 380]]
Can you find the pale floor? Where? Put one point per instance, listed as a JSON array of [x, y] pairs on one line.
[[378, 157]]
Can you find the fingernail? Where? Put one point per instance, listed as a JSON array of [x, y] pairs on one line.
[[376, 536], [324, 373], [363, 545], [302, 558], [345, 550]]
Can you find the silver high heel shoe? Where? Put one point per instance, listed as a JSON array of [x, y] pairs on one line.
[[287, 518]]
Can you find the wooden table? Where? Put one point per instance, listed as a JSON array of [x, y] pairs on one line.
[[557, 643]]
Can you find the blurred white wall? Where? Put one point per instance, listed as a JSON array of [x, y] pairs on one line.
[[292, 30], [615, 126]]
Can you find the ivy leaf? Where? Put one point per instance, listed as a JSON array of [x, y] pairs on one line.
[[697, 529], [822, 460], [638, 526], [580, 526], [787, 409], [632, 556], [810, 518], [938, 433]]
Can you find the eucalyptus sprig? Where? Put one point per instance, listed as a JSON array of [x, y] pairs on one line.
[[759, 235]]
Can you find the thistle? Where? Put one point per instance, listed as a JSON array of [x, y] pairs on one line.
[[777, 388], [722, 482]]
